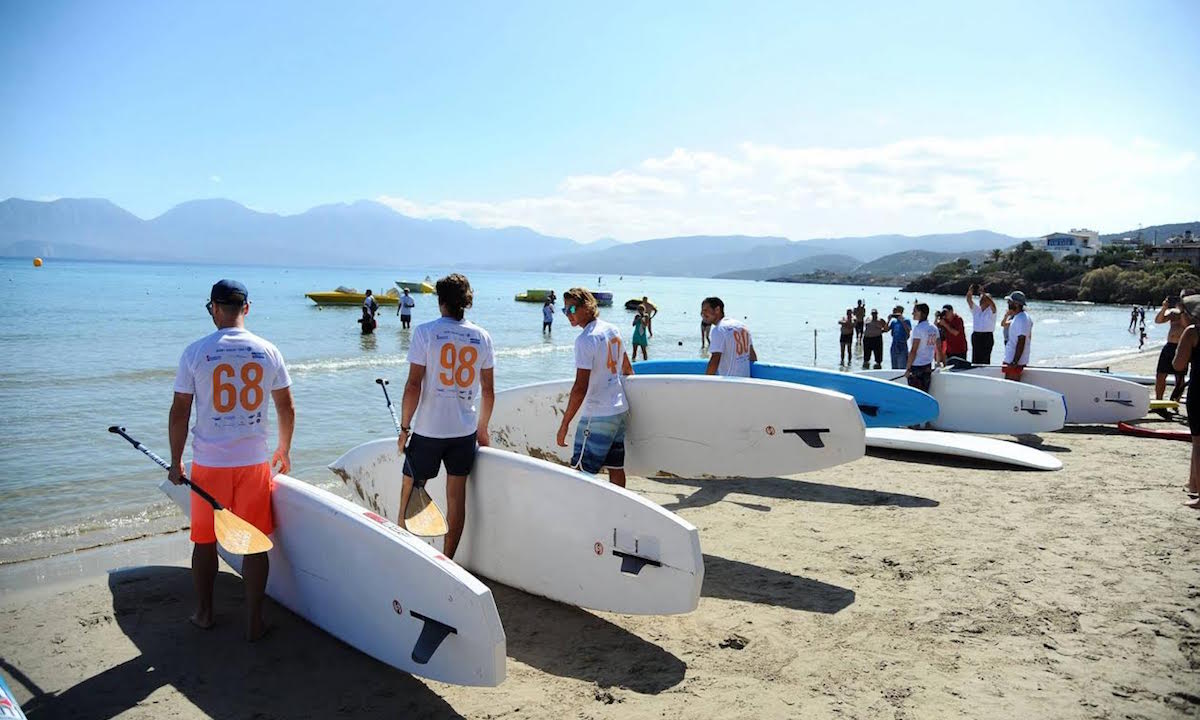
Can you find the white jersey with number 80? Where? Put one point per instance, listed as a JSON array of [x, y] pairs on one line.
[[453, 353]]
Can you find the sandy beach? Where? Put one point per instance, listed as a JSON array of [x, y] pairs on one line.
[[893, 587]]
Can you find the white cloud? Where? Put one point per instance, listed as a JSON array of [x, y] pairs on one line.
[[1022, 185]]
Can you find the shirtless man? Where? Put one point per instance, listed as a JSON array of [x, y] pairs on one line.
[[651, 311], [1169, 313]]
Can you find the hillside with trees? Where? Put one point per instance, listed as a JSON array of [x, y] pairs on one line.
[[1116, 274]]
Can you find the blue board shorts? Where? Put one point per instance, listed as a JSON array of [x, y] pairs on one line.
[[601, 442]]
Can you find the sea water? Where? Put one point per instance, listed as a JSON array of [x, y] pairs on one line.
[[87, 345]]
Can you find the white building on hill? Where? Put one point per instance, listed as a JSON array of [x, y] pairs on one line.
[[1080, 241]]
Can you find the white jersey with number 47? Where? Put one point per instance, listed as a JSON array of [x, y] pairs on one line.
[[453, 353], [732, 339], [230, 375], [599, 348]]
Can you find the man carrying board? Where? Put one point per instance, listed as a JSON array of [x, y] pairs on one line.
[[229, 374], [730, 348], [1020, 334], [452, 402], [600, 364]]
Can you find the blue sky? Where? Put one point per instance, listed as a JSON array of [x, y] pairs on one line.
[[623, 120]]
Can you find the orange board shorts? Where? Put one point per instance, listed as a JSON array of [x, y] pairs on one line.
[[1013, 372], [245, 490]]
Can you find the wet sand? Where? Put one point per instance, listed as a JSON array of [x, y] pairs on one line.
[[892, 587]]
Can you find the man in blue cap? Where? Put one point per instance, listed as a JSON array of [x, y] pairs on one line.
[[227, 376]]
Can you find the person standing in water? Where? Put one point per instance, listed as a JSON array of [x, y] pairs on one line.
[[227, 376], [1188, 356], [1170, 313], [846, 339], [650, 310], [547, 315], [873, 340], [404, 309], [983, 325], [601, 364], [732, 349], [860, 314], [900, 328], [447, 403], [639, 333]]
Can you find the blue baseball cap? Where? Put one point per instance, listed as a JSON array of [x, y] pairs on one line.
[[229, 292]]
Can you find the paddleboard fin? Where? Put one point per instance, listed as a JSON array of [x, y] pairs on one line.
[[632, 564], [1033, 407], [871, 410], [810, 436], [432, 635]]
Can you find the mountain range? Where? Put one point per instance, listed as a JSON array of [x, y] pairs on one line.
[[223, 231]]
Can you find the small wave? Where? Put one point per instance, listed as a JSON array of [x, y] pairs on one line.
[[340, 364], [154, 512]]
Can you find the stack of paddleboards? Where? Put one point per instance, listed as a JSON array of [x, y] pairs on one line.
[[376, 587], [551, 531], [698, 426], [979, 404], [1091, 398]]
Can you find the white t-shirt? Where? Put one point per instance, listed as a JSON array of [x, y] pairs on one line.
[[407, 304], [370, 304], [230, 375], [1021, 324], [928, 335], [983, 320], [548, 313], [453, 352], [732, 339], [599, 348]]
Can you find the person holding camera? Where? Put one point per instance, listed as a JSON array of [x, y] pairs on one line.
[[954, 342], [983, 325], [1171, 313], [900, 328]]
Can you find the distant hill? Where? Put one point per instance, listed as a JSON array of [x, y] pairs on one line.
[[914, 262], [816, 263], [224, 231], [1156, 233], [707, 256]]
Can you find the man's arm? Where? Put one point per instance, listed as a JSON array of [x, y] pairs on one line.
[[1018, 350], [1164, 314], [412, 398], [177, 431], [578, 393], [1183, 353], [626, 366], [714, 361], [487, 386], [285, 413], [912, 355], [971, 297], [753, 355]]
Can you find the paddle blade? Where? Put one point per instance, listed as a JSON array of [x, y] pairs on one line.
[[238, 536], [422, 516]]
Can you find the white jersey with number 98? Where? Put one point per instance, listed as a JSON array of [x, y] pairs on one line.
[[453, 352]]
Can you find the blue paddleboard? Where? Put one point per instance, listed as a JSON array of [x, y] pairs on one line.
[[882, 404], [9, 708]]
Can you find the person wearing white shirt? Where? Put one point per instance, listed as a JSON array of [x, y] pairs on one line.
[[983, 325], [404, 309], [451, 391], [547, 316], [923, 352], [601, 363], [229, 375], [1020, 335], [730, 347]]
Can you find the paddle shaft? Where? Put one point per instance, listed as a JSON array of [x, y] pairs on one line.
[[163, 464], [391, 408]]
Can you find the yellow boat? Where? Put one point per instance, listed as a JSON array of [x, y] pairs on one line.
[[339, 297], [533, 296], [416, 287]]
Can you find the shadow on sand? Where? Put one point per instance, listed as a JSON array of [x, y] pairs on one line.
[[709, 492], [297, 671], [733, 580]]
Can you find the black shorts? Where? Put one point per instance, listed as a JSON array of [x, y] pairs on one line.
[[847, 338], [1193, 412], [1166, 360], [424, 456], [921, 377]]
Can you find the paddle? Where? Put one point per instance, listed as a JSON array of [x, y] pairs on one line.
[[421, 515], [235, 534]]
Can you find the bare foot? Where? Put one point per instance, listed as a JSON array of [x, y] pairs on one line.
[[204, 622], [1193, 503]]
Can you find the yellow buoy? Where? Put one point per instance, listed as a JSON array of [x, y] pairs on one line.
[[37, 262]]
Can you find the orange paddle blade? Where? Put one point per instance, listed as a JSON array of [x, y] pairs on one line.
[[238, 536], [422, 516]]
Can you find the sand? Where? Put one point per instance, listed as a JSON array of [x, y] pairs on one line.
[[888, 588]]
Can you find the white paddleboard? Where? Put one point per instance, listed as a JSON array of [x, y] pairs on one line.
[[697, 426], [1091, 397], [376, 587], [551, 531], [976, 404], [962, 445]]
